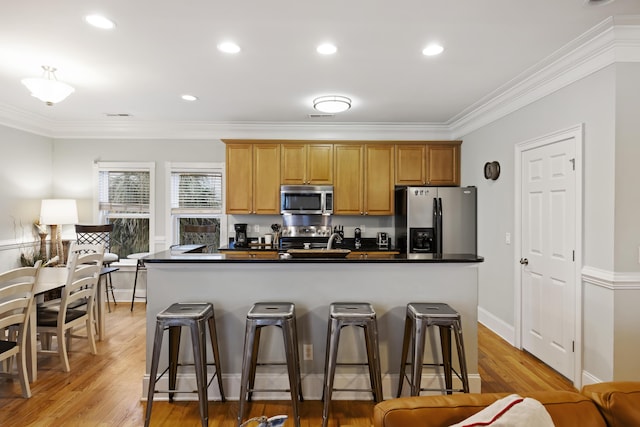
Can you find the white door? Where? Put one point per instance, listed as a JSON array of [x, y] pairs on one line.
[[548, 253]]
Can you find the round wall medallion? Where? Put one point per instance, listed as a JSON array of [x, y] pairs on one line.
[[492, 170]]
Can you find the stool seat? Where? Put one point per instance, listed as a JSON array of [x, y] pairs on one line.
[[196, 316], [269, 310], [347, 310], [358, 314], [186, 312], [419, 317], [263, 314]]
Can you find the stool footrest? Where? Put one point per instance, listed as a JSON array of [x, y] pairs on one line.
[[363, 390]]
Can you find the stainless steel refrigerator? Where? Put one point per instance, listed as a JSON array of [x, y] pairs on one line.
[[436, 220]]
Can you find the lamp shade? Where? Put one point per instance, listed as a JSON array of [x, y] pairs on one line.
[[49, 91], [58, 212], [47, 88]]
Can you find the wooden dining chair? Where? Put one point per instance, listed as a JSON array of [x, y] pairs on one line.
[[84, 273], [99, 235], [16, 299]]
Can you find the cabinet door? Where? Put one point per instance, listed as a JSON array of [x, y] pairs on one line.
[[319, 164], [348, 179], [443, 164], [411, 164], [379, 179], [266, 179], [293, 164], [239, 183]]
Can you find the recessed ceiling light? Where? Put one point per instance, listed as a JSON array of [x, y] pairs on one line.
[[326, 49], [229, 47], [432, 50], [189, 98], [332, 104], [100, 21]]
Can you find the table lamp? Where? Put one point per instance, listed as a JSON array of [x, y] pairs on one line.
[[55, 213]]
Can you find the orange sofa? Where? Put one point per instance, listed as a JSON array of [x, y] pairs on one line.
[[613, 404]]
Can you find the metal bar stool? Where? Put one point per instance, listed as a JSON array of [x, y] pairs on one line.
[[282, 315], [195, 316], [419, 317], [358, 314]]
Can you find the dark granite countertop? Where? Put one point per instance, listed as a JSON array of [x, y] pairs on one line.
[[192, 255]]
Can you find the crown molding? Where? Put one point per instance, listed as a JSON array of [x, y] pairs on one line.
[[616, 39], [249, 130]]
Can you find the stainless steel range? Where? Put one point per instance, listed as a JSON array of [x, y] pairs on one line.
[[302, 231]]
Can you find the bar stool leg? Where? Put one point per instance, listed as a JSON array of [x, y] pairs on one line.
[[445, 344], [199, 357], [174, 349], [462, 358], [254, 362], [333, 338], [157, 346], [135, 284], [405, 349], [213, 336], [292, 368], [250, 332], [371, 342], [419, 332], [296, 359]]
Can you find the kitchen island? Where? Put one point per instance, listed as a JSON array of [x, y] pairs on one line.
[[234, 283]]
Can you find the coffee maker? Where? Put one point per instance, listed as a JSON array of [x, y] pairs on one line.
[[241, 235]]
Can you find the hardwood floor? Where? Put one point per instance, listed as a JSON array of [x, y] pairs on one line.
[[105, 389]]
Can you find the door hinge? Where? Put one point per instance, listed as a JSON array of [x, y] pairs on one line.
[[573, 164], [573, 346], [573, 256]]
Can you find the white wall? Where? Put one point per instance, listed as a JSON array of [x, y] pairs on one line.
[[25, 179], [590, 101]]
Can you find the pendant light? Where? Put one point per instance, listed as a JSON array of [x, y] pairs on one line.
[[47, 88]]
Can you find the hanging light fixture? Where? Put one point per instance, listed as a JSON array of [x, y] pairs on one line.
[[47, 88], [332, 104]]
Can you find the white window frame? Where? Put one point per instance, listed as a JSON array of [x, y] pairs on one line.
[[193, 167], [127, 167]]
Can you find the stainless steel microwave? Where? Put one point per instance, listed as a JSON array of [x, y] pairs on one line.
[[306, 199]]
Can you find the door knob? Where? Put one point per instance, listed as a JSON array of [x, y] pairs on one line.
[[524, 261]]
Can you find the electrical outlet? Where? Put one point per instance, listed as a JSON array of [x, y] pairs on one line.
[[256, 228], [307, 352], [507, 238], [231, 228], [362, 228]]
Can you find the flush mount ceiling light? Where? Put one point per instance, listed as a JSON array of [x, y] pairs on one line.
[[100, 21], [228, 47], [47, 88], [326, 49], [432, 50], [189, 97], [332, 104]]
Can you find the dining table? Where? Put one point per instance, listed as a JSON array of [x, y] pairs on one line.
[[50, 279]]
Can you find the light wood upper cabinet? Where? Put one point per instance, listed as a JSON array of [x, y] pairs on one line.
[[348, 196], [378, 179], [428, 164], [443, 164], [239, 185], [307, 164], [363, 179], [266, 179], [253, 179]]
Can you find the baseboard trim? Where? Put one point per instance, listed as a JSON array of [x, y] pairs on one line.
[[588, 378], [497, 325]]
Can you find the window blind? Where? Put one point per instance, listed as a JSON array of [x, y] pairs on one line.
[[196, 192], [124, 192]]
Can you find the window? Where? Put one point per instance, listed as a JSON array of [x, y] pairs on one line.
[[125, 192], [197, 204]]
